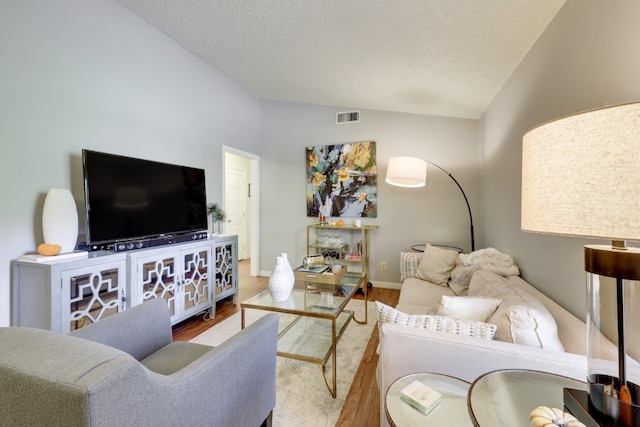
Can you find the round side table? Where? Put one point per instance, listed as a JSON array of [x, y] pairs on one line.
[[422, 246], [452, 410], [507, 397]]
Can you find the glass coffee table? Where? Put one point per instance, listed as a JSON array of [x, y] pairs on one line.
[[320, 320]]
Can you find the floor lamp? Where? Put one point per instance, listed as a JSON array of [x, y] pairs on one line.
[[411, 172], [581, 177]]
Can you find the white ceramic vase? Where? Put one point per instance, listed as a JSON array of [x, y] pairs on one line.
[[279, 282], [60, 219], [287, 266]]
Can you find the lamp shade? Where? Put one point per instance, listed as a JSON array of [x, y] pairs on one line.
[[407, 172], [581, 175], [60, 219]]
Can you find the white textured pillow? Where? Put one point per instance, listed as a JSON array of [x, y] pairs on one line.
[[436, 264], [387, 314], [468, 308], [408, 264]]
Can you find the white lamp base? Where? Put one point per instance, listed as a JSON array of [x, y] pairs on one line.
[[60, 219]]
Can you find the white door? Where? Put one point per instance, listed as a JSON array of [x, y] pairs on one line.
[[236, 206]]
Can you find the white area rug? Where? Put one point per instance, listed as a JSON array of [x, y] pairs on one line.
[[302, 398]]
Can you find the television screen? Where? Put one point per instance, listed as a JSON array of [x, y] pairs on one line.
[[128, 198]]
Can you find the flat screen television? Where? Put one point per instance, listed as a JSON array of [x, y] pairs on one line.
[[129, 199]]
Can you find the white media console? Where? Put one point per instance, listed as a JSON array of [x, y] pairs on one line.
[[65, 295]]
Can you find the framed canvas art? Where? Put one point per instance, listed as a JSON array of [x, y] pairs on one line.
[[342, 180]]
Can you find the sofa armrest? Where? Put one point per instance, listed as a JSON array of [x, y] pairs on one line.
[[139, 331], [406, 350]]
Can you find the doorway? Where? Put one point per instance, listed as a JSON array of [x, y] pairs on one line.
[[241, 203]]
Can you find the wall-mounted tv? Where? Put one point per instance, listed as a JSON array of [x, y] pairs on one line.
[[129, 199]]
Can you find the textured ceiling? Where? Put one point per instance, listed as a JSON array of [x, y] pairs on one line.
[[437, 57]]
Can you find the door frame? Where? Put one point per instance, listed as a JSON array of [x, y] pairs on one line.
[[254, 203]]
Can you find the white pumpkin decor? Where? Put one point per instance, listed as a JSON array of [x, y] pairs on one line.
[[544, 416]]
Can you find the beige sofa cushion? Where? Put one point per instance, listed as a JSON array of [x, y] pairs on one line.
[[520, 318], [420, 297]]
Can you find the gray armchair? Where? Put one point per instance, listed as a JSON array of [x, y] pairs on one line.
[[126, 370]]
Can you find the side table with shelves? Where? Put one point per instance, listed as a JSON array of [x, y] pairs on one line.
[[348, 244]]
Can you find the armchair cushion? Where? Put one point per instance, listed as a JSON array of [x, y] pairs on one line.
[[174, 356]]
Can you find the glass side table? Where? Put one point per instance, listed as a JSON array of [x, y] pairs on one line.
[[507, 397], [452, 410]]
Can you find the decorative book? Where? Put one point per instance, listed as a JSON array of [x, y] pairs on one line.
[[318, 269], [420, 396], [37, 258]]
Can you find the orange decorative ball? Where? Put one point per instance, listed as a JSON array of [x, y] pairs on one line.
[[49, 249]]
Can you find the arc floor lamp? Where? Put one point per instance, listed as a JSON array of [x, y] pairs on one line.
[[411, 172], [581, 177]]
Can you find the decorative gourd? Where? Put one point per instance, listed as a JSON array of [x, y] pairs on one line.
[[544, 416], [49, 249]]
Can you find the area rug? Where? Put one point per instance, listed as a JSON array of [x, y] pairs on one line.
[[302, 398]]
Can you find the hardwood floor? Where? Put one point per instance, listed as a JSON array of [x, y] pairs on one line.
[[362, 406]]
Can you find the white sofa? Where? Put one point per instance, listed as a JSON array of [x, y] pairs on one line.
[[405, 350]]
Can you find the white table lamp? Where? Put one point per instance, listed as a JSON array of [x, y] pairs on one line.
[[581, 177]]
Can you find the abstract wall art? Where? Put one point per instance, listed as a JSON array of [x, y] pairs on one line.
[[342, 180]]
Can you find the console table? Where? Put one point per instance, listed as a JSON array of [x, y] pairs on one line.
[[65, 295]]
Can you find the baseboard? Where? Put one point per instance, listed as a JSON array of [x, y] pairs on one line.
[[386, 285]]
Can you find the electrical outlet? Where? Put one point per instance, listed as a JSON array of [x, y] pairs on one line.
[[383, 266]]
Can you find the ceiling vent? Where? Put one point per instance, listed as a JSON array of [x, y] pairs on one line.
[[347, 117]]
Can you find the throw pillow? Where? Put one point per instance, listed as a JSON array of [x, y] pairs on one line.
[[468, 308], [408, 264], [436, 264], [387, 314]]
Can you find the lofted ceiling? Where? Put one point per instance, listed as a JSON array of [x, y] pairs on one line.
[[435, 57]]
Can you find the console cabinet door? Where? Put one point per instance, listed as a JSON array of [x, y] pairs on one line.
[[226, 268], [179, 274], [156, 276], [91, 293], [195, 280]]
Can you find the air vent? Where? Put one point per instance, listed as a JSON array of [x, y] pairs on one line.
[[347, 117]]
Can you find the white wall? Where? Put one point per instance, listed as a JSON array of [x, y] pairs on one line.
[[89, 74], [436, 214], [586, 58]]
